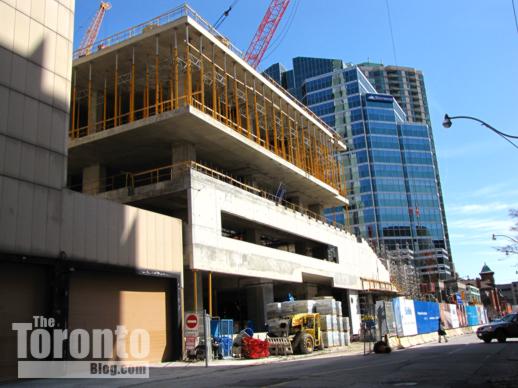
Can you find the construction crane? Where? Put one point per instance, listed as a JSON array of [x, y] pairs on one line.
[[265, 32], [93, 29]]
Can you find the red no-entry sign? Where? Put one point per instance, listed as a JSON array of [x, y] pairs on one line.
[[191, 321]]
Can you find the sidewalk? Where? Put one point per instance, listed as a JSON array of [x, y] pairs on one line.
[[353, 348]]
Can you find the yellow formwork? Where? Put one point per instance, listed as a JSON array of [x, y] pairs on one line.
[[194, 71]]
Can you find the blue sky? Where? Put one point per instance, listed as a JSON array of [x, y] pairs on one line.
[[468, 52]]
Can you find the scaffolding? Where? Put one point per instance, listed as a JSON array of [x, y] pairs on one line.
[[180, 65]]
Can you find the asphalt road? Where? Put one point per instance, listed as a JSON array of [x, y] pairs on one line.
[[463, 362]]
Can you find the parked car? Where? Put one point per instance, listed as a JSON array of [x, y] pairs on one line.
[[504, 328]]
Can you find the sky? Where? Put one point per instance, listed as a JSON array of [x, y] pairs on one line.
[[468, 52]]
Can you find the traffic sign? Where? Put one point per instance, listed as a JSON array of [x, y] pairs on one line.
[[191, 321]]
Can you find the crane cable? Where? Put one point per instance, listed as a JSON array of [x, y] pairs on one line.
[[224, 15], [391, 33], [280, 37], [514, 12]]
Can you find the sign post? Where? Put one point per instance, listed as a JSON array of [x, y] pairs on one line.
[[191, 331]]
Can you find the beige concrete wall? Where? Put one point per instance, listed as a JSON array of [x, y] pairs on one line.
[[37, 216]]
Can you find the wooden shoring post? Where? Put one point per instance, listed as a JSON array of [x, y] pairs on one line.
[[225, 90], [132, 88], [312, 150], [195, 289], [161, 97], [188, 75], [274, 125], [157, 80], [116, 90], [146, 92], [89, 102], [202, 75], [309, 154], [74, 94], [298, 156], [247, 111], [236, 101], [175, 71], [214, 85], [303, 159], [318, 146], [105, 101], [330, 156], [290, 134], [256, 118], [265, 122], [120, 109], [210, 293], [325, 153], [283, 134]]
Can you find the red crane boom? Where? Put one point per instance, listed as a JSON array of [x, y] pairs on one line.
[[93, 29], [265, 32]]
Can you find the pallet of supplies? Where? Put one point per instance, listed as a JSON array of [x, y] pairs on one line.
[[273, 310], [339, 308], [327, 336], [325, 306], [326, 322], [303, 306]]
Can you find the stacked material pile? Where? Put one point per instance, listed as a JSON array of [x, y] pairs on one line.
[[273, 310], [330, 312], [334, 327]]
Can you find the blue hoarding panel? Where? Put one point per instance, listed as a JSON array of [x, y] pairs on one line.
[[427, 316], [472, 315]]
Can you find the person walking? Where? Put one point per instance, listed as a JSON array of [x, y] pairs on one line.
[[441, 332]]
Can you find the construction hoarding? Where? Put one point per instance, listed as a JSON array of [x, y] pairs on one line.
[[427, 316]]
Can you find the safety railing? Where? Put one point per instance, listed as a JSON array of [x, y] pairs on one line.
[[168, 17], [131, 181]]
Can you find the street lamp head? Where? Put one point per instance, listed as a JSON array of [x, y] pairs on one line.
[[494, 237], [447, 121]]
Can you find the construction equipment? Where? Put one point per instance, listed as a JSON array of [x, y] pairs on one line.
[[93, 29], [302, 330], [265, 32]]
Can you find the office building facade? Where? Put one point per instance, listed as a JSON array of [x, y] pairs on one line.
[[407, 86], [389, 166]]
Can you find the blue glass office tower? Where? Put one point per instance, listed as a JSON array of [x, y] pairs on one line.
[[392, 179]]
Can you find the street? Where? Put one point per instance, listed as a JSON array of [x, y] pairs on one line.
[[462, 362]]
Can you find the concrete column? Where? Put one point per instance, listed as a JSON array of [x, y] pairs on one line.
[[94, 179], [92, 114], [257, 296], [354, 311], [310, 291], [183, 152], [253, 236]]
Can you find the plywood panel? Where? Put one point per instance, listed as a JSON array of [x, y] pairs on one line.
[[23, 294], [104, 300]]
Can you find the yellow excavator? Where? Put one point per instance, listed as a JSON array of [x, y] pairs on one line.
[[302, 330]]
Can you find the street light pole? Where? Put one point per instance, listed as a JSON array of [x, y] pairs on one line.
[[507, 251], [507, 137], [503, 235]]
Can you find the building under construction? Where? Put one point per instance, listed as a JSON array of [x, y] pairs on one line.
[[167, 116]]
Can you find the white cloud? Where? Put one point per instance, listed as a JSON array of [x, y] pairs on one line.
[[481, 224], [477, 208]]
